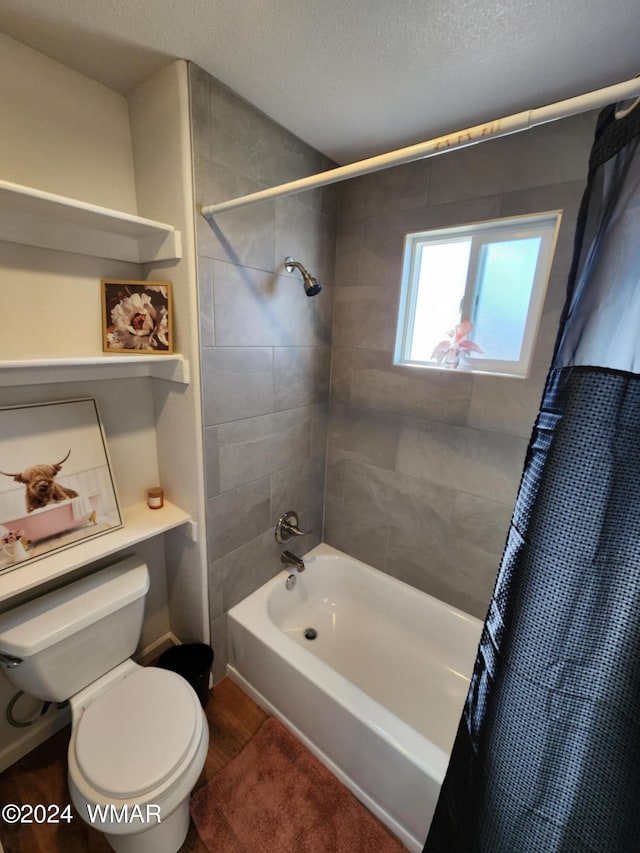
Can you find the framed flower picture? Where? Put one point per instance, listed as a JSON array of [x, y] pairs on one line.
[[137, 316]]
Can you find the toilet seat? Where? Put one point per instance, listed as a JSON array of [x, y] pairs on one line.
[[165, 830], [137, 735]]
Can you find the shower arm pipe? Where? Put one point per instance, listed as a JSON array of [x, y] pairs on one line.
[[440, 144]]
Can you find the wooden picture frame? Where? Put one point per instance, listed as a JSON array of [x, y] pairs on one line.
[[56, 484], [137, 317]]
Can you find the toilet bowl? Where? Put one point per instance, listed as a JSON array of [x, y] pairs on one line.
[[139, 736], [135, 753]]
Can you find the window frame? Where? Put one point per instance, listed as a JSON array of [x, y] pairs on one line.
[[545, 225]]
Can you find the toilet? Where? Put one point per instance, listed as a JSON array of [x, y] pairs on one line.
[[139, 736]]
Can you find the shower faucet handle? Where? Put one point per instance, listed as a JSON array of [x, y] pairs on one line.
[[287, 527]]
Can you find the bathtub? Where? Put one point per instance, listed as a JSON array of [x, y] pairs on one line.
[[377, 695]]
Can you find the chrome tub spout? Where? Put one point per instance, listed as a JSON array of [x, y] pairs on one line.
[[292, 560]]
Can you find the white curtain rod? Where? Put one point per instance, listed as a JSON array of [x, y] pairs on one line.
[[441, 144]]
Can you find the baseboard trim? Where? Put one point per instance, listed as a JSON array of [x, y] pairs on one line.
[[153, 651]]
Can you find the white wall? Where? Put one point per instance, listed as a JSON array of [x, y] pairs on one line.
[[66, 134], [62, 132], [161, 130], [50, 301]]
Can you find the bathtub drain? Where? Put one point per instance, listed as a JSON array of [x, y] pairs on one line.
[[310, 633]]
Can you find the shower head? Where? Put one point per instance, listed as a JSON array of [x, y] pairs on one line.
[[311, 284]]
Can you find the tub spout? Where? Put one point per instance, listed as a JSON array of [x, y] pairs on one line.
[[292, 560]]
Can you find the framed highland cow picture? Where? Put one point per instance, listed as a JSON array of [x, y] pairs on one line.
[[56, 485], [137, 317]]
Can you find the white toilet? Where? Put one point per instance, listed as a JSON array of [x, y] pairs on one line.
[[139, 735]]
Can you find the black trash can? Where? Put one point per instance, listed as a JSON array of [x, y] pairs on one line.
[[193, 662]]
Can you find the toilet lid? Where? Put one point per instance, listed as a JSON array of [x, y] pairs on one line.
[[134, 736]]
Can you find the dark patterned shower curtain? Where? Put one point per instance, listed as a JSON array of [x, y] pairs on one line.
[[547, 753]]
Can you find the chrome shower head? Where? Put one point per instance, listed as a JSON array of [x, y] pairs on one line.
[[311, 285]]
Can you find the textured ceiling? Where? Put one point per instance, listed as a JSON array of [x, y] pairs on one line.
[[351, 77]]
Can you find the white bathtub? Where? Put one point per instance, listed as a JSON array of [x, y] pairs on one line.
[[377, 696]]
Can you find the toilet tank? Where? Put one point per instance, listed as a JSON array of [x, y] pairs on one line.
[[68, 638]]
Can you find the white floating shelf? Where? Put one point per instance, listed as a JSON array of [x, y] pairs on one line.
[[32, 217], [173, 368], [140, 523]]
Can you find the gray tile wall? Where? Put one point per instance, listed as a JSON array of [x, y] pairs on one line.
[[423, 467], [265, 346]]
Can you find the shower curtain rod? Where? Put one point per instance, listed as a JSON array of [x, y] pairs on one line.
[[440, 144]]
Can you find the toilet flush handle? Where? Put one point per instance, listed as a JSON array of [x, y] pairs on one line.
[[9, 661]]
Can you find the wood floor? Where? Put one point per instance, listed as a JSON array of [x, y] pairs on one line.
[[41, 777]]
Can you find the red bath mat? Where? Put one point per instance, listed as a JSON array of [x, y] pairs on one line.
[[276, 797]]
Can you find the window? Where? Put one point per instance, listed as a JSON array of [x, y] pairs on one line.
[[472, 296]]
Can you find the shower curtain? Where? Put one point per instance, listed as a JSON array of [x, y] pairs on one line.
[[547, 754]]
